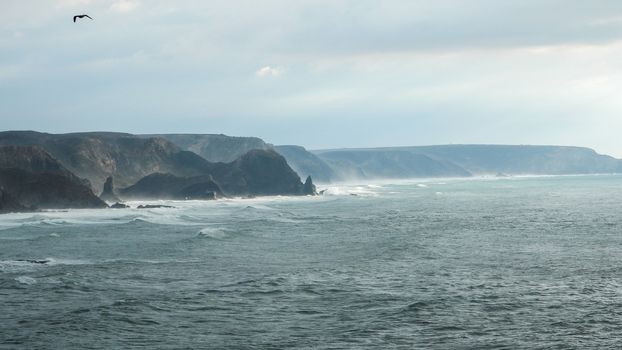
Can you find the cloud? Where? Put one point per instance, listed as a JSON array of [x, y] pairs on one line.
[[73, 3], [124, 6], [268, 71], [393, 72]]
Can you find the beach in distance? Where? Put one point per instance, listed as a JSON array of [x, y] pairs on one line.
[[499, 262]]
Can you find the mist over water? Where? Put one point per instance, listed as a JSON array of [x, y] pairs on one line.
[[475, 263]]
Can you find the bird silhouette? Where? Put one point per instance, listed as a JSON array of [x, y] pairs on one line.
[[80, 16]]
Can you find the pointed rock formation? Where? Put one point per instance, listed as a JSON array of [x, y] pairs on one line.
[[108, 193], [309, 188]]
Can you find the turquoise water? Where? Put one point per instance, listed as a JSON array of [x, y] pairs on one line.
[[480, 263]]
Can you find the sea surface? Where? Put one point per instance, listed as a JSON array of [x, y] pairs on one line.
[[498, 263]]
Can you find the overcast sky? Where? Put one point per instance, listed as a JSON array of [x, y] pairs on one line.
[[321, 74]]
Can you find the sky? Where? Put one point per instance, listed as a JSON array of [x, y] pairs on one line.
[[320, 73]]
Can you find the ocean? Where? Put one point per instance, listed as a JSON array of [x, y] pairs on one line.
[[483, 263]]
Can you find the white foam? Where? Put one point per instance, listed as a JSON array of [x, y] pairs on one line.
[[352, 190], [26, 280], [212, 232]]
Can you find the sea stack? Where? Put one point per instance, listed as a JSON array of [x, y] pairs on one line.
[[309, 188], [108, 194]]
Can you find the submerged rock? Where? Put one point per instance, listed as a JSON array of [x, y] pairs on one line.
[[153, 206]]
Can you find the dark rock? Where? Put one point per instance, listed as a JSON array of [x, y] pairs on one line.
[[309, 188], [130, 158], [96, 156], [48, 191], [153, 206], [258, 172], [9, 204], [119, 206], [31, 178], [41, 262], [108, 192], [167, 186]]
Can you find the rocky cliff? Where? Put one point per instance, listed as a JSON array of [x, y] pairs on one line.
[[258, 172], [463, 160], [127, 158], [376, 163], [306, 163], [167, 186], [31, 178], [10, 204], [523, 159], [97, 156]]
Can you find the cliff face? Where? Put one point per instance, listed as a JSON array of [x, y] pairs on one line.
[[167, 186], [31, 178], [9, 204], [258, 172], [96, 156], [463, 160], [370, 164], [306, 163], [508, 159], [215, 148], [129, 158]]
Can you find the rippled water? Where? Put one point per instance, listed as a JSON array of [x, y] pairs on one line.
[[498, 263]]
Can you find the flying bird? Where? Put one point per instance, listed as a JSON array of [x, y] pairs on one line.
[[80, 16]]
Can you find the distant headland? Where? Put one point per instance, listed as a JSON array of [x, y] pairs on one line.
[[98, 169]]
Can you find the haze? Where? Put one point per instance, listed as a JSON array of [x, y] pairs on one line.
[[322, 74]]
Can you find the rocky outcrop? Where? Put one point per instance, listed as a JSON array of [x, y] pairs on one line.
[[130, 158], [35, 160], [309, 188], [31, 178], [167, 186], [99, 155], [108, 194], [258, 172], [48, 191]]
